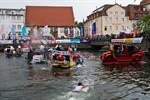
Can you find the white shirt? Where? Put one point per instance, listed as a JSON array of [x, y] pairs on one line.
[[78, 88], [42, 47]]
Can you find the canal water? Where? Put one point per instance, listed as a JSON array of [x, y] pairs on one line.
[[22, 81]]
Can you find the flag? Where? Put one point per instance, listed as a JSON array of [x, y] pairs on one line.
[[35, 31], [45, 29], [24, 31], [66, 31], [91, 28], [94, 28], [81, 31], [13, 31]]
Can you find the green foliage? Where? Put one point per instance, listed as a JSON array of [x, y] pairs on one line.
[[52, 31], [78, 24], [144, 25]]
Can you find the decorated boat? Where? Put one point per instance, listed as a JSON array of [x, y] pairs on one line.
[[123, 51], [61, 59]]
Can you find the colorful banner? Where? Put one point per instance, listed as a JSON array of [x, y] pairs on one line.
[[128, 40], [24, 31], [60, 41], [74, 40]]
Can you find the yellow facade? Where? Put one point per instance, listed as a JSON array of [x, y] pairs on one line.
[[113, 23]]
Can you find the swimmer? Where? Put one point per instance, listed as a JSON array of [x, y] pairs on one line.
[[77, 89]]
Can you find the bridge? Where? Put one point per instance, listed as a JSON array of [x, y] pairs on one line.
[[144, 45], [93, 45]]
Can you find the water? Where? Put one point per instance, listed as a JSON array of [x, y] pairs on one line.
[[22, 81]]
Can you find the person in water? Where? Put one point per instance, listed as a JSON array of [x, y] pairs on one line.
[[8, 52], [19, 51], [78, 88]]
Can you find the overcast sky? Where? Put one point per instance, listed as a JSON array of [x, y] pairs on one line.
[[81, 8]]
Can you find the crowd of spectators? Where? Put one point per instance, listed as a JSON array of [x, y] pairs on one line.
[[108, 37]]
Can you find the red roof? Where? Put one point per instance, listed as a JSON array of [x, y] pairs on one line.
[[49, 15]]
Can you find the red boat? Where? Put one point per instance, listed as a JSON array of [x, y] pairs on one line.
[[121, 53]]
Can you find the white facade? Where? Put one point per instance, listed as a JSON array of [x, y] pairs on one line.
[[9, 18], [60, 31]]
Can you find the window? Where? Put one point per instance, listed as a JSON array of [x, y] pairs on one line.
[[141, 15], [13, 18], [105, 19], [122, 12], [127, 20], [116, 27], [105, 28], [110, 27], [19, 27], [61, 30], [14, 26], [123, 20], [116, 20], [110, 19], [116, 12], [18, 17], [110, 12], [122, 27], [136, 15]]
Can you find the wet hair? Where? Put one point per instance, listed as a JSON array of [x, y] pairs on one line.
[[79, 83]]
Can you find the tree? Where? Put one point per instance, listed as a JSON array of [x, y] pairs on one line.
[[144, 25], [78, 24]]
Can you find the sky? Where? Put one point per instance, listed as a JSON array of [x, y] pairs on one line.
[[81, 8]]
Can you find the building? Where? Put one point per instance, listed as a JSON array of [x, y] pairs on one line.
[[135, 13], [113, 19], [146, 4], [109, 19], [60, 20], [11, 18]]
